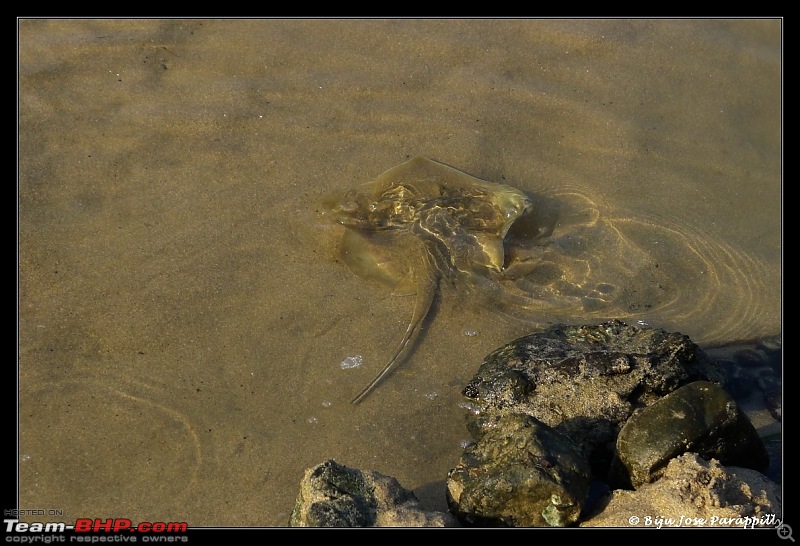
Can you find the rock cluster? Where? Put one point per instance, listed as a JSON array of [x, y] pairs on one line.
[[638, 413], [586, 381]]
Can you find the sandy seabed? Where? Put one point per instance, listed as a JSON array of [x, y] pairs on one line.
[[183, 316]]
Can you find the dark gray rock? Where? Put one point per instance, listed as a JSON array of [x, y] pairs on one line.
[[772, 349], [740, 382], [585, 381], [751, 366], [519, 473], [700, 417], [749, 357], [333, 495], [770, 385], [773, 443]]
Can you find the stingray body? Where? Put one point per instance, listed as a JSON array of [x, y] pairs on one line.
[[453, 222]]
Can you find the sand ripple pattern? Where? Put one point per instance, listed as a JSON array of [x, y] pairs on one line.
[[114, 442]]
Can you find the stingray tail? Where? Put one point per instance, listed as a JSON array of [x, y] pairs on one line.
[[366, 390], [422, 306]]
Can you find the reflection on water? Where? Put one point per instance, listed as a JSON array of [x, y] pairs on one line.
[[585, 264]]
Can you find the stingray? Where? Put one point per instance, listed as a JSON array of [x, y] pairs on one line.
[[445, 223]]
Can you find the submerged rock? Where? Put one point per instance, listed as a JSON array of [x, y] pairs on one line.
[[770, 385], [333, 495], [750, 368], [585, 381], [519, 473], [694, 492], [700, 417]]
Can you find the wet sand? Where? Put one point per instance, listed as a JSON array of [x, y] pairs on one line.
[[182, 313]]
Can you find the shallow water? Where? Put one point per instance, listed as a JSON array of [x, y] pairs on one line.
[[183, 319]]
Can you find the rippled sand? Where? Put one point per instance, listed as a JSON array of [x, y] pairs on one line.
[[183, 318]]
